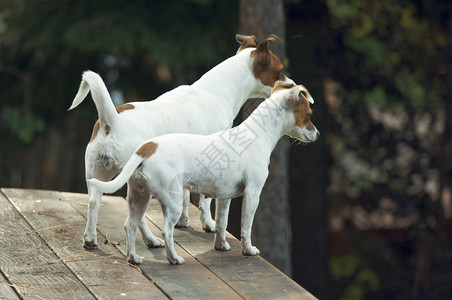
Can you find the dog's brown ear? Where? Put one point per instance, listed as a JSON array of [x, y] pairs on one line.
[[282, 85], [262, 51], [263, 46], [246, 41], [273, 38]]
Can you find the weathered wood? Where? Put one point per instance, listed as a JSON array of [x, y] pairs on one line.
[[251, 276], [28, 263], [189, 281], [41, 254], [6, 290], [104, 272]]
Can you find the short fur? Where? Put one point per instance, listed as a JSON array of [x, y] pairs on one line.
[[208, 105], [179, 160]]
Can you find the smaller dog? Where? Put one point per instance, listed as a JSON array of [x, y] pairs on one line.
[[223, 165]]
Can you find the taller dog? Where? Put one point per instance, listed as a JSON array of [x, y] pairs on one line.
[[207, 106]]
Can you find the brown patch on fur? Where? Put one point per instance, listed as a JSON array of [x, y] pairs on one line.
[[146, 150], [266, 66], [302, 112], [281, 85], [107, 128], [246, 41], [124, 107], [95, 131]]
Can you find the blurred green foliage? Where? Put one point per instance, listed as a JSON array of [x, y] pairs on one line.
[[394, 50], [24, 125], [350, 269], [53, 42]]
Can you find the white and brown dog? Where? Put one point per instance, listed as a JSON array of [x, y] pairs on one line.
[[223, 165], [207, 106]]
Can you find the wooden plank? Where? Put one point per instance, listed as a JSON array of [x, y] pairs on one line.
[[189, 281], [28, 263], [251, 276], [6, 290], [104, 272]]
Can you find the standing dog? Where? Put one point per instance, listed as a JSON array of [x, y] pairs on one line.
[[207, 106], [167, 165]]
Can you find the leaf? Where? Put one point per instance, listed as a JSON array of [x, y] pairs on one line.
[[25, 126], [343, 266], [376, 96]]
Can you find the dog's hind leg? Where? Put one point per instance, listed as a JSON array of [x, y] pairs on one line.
[[221, 217], [184, 220], [249, 205], [148, 237], [208, 224], [90, 235], [172, 209], [137, 199]]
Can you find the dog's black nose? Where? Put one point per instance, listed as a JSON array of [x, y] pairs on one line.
[[317, 135]]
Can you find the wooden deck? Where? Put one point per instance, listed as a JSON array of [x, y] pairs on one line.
[[41, 256]]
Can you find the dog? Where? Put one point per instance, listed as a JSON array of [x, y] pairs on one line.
[[169, 165], [207, 106]]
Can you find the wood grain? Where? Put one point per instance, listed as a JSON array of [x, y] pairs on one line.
[[188, 281], [29, 264], [6, 290], [42, 256], [104, 272], [251, 276]]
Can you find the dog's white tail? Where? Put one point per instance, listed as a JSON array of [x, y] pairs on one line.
[[93, 82], [114, 185]]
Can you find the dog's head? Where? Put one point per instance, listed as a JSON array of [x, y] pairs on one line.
[[297, 101], [266, 67]]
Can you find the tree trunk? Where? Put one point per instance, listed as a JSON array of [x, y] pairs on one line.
[[271, 228]]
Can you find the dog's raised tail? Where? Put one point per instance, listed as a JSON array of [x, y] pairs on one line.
[[93, 82], [114, 185]]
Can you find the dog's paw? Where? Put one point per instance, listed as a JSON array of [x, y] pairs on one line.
[[251, 251], [90, 245], [183, 223], [155, 243], [177, 260], [224, 246], [209, 226], [135, 259]]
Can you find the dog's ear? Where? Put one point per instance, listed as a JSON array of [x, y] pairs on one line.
[[263, 46], [246, 41], [273, 38], [282, 85], [303, 94], [297, 92], [262, 53]]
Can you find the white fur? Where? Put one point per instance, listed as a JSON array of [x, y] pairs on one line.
[[208, 105], [175, 167]]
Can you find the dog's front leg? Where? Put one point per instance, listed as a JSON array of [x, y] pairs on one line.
[[221, 217], [249, 205], [208, 224]]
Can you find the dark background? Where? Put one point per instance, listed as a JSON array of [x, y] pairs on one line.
[[370, 203]]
